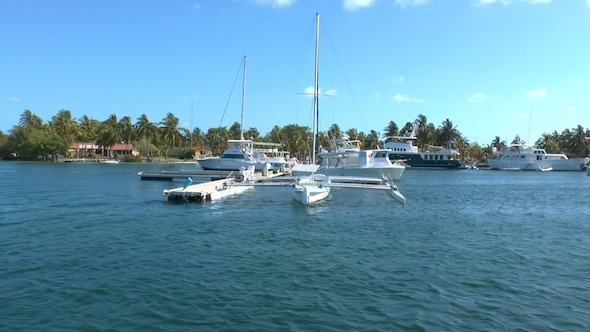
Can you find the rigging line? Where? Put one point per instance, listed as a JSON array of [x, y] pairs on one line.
[[230, 94], [345, 76], [282, 103]]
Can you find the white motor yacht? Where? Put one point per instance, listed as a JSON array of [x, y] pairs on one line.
[[519, 156], [349, 160], [238, 155]]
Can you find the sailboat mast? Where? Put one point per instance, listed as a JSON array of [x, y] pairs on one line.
[[192, 125], [316, 88], [243, 101]]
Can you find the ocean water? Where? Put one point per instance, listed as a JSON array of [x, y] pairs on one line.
[[92, 247]]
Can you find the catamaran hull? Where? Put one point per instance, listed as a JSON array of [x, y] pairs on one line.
[[309, 194], [394, 173]]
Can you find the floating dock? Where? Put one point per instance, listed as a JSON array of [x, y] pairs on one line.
[[205, 192], [185, 174]]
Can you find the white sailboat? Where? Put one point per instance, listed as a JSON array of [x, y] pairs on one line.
[[313, 188], [239, 153]]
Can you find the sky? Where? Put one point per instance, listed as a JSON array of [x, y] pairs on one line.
[[493, 67]]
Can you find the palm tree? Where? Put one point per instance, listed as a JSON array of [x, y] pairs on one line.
[[30, 120], [422, 122], [146, 131], [391, 130], [297, 139], [426, 131], [352, 134], [108, 135], [252, 133], [372, 140], [87, 129], [126, 131], [197, 136], [216, 139], [170, 130], [235, 131], [334, 132], [64, 125], [577, 142], [448, 132], [549, 142], [274, 135]]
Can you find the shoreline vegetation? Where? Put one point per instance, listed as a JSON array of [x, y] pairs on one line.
[[34, 139]]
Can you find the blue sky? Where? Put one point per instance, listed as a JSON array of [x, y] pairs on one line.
[[493, 67]]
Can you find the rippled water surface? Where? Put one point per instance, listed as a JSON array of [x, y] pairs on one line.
[[92, 247]]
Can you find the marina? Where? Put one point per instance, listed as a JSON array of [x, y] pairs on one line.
[[398, 205], [241, 181], [466, 252]]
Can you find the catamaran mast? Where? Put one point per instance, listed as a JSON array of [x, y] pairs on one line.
[[316, 89], [243, 101]]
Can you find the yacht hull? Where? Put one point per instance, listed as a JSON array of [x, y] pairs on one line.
[[574, 164], [416, 161], [221, 164]]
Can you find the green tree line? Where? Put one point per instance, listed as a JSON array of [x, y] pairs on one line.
[[34, 139]]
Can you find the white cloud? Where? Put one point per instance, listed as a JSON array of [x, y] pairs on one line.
[[406, 3], [13, 100], [401, 78], [570, 109], [190, 98], [356, 4], [481, 3], [489, 2], [478, 97], [404, 98], [329, 93], [274, 3], [538, 93], [377, 95]]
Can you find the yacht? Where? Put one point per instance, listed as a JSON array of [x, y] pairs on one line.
[[519, 156], [270, 154], [434, 157], [238, 155], [349, 160]]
